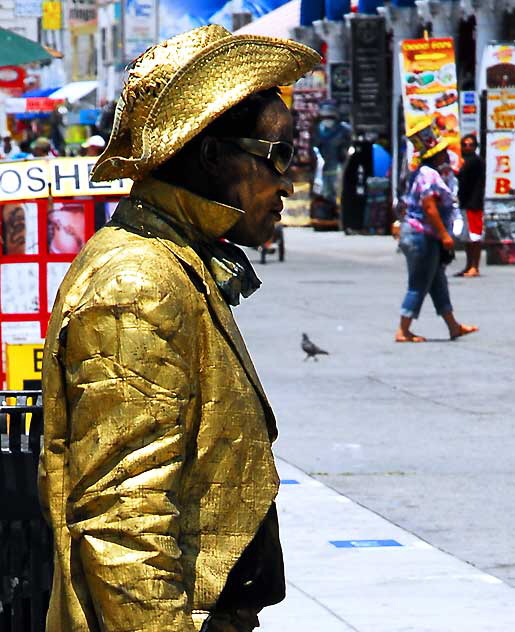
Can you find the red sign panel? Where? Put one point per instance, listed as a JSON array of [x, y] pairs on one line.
[[12, 80]]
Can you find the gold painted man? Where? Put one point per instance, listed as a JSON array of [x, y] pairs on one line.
[[157, 471]]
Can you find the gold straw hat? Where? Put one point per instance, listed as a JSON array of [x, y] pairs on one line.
[[175, 89]]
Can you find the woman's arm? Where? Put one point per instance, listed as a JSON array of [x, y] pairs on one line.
[[433, 217]]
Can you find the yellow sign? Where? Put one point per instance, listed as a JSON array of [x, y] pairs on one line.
[[501, 109], [59, 177], [24, 364], [51, 15]]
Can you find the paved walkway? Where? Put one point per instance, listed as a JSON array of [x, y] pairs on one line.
[[422, 435], [348, 569]]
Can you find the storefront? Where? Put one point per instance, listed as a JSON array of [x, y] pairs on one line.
[[48, 210]]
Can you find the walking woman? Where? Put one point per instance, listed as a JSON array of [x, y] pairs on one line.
[[426, 235]]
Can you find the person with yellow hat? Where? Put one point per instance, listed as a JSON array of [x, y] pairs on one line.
[[157, 471], [425, 235]]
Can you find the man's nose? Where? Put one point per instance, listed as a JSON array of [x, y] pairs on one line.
[[286, 185]]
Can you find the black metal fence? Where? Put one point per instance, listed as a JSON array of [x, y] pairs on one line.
[[25, 539]]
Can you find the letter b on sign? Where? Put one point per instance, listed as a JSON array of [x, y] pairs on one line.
[[502, 186]]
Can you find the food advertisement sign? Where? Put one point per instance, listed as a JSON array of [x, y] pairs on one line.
[[498, 66], [500, 110], [429, 88], [500, 165]]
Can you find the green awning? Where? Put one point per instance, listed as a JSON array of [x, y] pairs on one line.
[[16, 49]]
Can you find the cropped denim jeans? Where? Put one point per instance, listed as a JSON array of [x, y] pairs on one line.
[[425, 273]]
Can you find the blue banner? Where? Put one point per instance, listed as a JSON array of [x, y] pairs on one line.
[[178, 16]]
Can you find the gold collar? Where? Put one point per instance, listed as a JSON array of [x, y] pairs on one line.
[[196, 215]]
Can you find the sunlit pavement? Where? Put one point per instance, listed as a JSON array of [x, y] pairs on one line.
[[350, 569], [419, 436]]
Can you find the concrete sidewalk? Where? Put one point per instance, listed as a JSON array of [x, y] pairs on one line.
[[348, 569], [422, 435]]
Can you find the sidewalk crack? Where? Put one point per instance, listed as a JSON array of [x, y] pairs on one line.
[[322, 605]]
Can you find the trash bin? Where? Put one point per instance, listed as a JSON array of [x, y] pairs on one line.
[[25, 539]]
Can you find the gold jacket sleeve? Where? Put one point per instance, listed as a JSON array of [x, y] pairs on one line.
[[129, 385]]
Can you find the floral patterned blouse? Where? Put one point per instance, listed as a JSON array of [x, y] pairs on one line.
[[427, 181]]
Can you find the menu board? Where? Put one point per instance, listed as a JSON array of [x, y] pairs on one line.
[[429, 89], [369, 113], [308, 93]]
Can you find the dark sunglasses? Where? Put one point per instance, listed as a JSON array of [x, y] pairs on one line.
[[280, 153]]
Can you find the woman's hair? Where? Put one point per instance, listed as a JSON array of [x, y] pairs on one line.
[[471, 137]]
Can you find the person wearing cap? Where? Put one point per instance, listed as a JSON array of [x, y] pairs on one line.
[[425, 236], [41, 147], [157, 474], [94, 145], [9, 147], [331, 140]]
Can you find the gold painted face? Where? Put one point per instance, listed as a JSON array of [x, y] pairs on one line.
[[253, 184]]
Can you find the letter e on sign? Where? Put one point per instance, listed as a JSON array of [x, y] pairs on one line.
[[503, 164], [38, 359]]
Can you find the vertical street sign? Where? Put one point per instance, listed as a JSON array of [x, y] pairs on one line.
[[469, 113], [370, 102]]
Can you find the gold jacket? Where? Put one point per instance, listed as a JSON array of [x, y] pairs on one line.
[[157, 467]]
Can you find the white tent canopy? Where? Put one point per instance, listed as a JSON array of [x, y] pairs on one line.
[[74, 91], [277, 23]]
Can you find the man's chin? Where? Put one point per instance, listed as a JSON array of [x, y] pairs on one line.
[[250, 240]]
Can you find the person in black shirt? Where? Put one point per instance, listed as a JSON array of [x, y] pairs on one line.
[[471, 193]]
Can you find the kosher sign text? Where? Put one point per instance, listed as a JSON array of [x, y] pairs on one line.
[[60, 177]]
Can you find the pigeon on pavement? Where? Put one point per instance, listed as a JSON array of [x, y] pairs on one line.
[[311, 349]]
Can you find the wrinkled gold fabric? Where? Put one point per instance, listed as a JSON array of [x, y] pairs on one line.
[[157, 466]]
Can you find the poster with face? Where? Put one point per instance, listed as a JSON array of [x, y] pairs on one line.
[[66, 227], [19, 228]]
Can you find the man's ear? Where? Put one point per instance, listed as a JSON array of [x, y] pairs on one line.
[[211, 155]]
